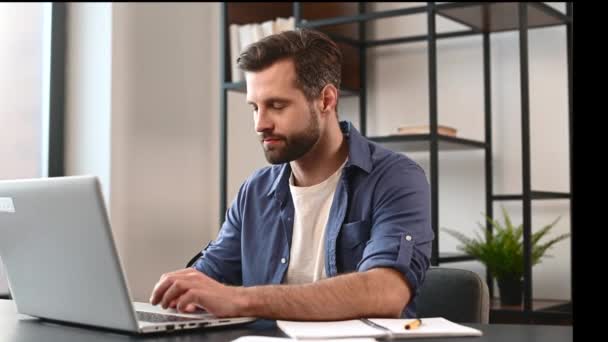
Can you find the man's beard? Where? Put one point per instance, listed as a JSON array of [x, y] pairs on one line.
[[294, 146]]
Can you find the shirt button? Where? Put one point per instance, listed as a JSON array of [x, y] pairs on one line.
[[408, 238], [283, 260]]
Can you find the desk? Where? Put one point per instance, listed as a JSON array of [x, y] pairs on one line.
[[21, 328]]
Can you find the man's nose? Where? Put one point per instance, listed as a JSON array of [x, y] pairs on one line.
[[262, 122]]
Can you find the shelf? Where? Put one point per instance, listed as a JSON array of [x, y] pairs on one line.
[[454, 257], [421, 142], [241, 87], [540, 305], [256, 12], [345, 35], [418, 38], [342, 22], [535, 195], [544, 311], [349, 19], [498, 17], [478, 16]]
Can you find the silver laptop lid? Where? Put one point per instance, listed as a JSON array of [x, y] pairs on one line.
[[57, 246]]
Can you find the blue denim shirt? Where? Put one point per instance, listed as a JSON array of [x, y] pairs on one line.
[[380, 217]]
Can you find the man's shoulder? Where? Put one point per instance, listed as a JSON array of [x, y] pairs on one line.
[[393, 172], [386, 160], [261, 180]]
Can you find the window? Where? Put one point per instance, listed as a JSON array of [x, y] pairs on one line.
[[31, 92]]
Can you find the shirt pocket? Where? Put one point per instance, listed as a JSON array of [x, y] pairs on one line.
[[352, 241]]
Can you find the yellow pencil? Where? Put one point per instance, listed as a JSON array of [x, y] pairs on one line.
[[413, 325]]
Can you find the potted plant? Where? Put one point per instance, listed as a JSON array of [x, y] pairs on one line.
[[502, 253]]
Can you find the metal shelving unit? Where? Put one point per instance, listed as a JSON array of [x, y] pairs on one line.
[[480, 18]]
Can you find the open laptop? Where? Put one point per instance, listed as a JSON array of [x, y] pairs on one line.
[[59, 254]]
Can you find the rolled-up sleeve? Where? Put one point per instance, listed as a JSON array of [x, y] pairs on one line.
[[401, 234], [221, 259]]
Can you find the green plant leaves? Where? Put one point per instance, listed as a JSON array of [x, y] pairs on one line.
[[501, 250]]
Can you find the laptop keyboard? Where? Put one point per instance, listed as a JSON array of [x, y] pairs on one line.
[[161, 318]]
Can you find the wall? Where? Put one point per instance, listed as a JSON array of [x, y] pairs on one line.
[[166, 134], [88, 91], [156, 125]]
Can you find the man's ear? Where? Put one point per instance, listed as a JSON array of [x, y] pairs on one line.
[[329, 99]]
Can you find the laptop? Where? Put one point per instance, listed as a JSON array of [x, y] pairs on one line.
[[61, 262]]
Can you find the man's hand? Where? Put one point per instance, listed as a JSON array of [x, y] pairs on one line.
[[380, 292], [188, 289]]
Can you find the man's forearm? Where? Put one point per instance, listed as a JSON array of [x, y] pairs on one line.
[[376, 293]]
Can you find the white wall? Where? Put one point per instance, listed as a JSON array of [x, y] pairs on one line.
[[88, 91], [168, 121], [162, 120]]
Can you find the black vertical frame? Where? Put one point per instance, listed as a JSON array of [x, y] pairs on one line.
[[56, 164], [569, 38], [434, 148], [487, 88], [362, 73], [297, 13], [223, 111], [525, 146]]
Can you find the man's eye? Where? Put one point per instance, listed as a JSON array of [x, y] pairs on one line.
[[278, 105]]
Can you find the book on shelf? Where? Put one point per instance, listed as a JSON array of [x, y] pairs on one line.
[[244, 35], [268, 27], [284, 24], [426, 129], [237, 74]]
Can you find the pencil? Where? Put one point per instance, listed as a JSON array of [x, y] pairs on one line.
[[413, 324]]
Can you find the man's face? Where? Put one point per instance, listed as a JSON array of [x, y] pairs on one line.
[[286, 123]]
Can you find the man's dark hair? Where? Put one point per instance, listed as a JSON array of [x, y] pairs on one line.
[[317, 59]]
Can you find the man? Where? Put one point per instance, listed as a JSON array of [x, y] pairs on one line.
[[337, 228]]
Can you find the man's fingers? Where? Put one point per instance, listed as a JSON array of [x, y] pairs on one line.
[[178, 288], [166, 280], [159, 290], [187, 302]]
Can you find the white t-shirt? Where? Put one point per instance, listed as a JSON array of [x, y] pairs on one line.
[[311, 211]]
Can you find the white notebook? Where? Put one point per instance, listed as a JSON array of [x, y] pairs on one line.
[[378, 328], [255, 338]]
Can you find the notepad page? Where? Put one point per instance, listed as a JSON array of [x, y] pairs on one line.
[[436, 326], [254, 338], [332, 329]]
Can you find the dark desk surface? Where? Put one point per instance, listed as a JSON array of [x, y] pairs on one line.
[[20, 328]]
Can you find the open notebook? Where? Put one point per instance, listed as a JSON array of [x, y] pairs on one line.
[[376, 328]]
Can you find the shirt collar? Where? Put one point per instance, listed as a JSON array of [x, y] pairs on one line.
[[358, 148]]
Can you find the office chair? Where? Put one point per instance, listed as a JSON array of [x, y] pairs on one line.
[[460, 296], [194, 259]]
